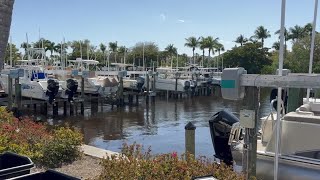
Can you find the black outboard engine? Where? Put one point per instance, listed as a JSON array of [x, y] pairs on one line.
[[220, 126], [140, 83], [52, 89], [187, 85], [72, 87]]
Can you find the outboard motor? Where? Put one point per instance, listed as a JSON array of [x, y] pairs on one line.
[[220, 127], [52, 89], [72, 87], [284, 97], [140, 83], [187, 85]]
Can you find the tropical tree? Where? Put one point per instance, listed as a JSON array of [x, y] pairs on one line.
[[192, 42], [276, 45], [113, 48], [25, 46], [151, 53], [249, 56], [211, 44], [286, 38], [15, 54], [6, 7], [241, 40], [103, 49], [308, 29], [122, 50], [50, 46], [219, 48], [297, 32], [261, 33], [202, 45]]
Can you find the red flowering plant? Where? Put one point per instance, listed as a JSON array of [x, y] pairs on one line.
[[134, 163]]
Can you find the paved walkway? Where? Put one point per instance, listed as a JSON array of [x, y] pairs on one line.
[[97, 152]]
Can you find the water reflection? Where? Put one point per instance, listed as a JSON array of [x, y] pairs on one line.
[[160, 125]]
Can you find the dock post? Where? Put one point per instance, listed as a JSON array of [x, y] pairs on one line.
[[190, 138], [71, 109], [137, 99], [55, 108], [101, 104], [154, 87], [35, 107], [45, 108], [176, 88], [17, 93], [250, 139], [64, 108], [10, 92], [94, 105], [121, 91], [148, 88], [82, 97]]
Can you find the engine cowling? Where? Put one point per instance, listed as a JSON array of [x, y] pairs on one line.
[[52, 89], [220, 127], [72, 87], [140, 83]]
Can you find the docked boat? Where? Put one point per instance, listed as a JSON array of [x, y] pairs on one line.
[[300, 149], [93, 84], [35, 82], [134, 79]]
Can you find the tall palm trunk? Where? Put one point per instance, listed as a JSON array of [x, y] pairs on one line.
[[262, 41], [208, 57], [6, 7], [202, 57], [193, 55]]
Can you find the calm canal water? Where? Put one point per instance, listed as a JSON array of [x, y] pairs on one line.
[[159, 125]]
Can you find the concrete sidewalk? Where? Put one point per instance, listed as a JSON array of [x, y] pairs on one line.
[[96, 152]]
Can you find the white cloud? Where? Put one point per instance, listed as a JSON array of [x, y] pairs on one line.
[[163, 17], [181, 20]]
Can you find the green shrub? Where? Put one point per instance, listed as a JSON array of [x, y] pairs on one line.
[[32, 139], [62, 148], [134, 164]]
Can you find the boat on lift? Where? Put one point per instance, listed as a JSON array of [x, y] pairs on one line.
[[94, 84], [35, 83]]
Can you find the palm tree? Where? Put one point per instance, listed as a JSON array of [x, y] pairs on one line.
[[202, 45], [308, 29], [122, 50], [276, 45], [297, 32], [261, 33], [49, 46], [192, 42], [6, 7], [219, 48], [171, 50], [241, 40], [25, 46], [211, 44], [286, 38], [103, 49], [114, 47]]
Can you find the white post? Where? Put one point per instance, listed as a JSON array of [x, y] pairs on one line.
[[312, 42], [11, 51], [143, 57], [279, 100]]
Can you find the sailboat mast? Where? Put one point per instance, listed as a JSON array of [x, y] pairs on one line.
[[312, 42]]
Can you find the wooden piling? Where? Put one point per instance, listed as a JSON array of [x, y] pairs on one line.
[[190, 138], [71, 109], [148, 83], [55, 108], [64, 108]]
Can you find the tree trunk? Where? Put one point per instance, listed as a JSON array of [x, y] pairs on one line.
[[208, 58], [193, 55], [6, 7], [262, 41]]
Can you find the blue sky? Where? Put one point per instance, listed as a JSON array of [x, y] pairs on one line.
[[161, 21]]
